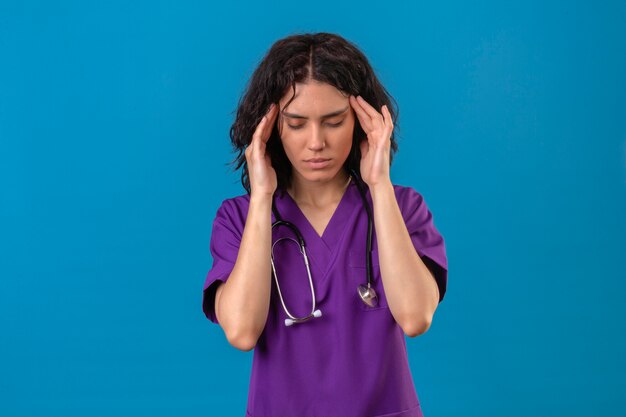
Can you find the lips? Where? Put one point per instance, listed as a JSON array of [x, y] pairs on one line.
[[317, 163]]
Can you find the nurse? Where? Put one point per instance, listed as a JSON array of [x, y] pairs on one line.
[[314, 123]]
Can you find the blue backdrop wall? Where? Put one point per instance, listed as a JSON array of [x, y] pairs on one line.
[[114, 146]]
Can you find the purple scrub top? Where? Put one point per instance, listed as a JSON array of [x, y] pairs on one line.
[[352, 361]]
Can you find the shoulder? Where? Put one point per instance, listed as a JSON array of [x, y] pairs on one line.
[[233, 211], [407, 196], [235, 204]]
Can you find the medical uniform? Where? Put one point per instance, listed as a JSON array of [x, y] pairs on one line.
[[351, 361]]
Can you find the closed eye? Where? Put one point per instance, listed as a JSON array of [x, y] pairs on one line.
[[302, 125]]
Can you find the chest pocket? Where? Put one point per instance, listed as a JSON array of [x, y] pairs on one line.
[[358, 275]]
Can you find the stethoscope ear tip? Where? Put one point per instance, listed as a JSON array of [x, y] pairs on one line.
[[316, 313]]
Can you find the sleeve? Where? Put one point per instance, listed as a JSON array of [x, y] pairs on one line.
[[428, 242], [224, 246]]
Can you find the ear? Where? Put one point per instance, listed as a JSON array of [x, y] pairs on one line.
[[278, 125], [364, 145]]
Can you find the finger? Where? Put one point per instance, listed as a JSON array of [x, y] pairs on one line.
[[374, 115], [388, 118], [361, 114], [268, 124], [258, 144], [270, 118], [261, 132], [259, 128]]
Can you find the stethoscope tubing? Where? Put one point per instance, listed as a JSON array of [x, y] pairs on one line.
[[293, 319], [302, 245]]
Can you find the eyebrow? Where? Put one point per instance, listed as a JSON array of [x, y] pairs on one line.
[[326, 116]]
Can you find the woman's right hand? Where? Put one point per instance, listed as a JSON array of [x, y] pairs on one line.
[[261, 174]]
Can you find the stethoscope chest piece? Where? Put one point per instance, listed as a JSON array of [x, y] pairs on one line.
[[368, 295]]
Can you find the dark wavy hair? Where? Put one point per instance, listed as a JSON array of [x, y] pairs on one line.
[[324, 57]]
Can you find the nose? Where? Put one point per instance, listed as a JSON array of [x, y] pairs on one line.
[[316, 140]]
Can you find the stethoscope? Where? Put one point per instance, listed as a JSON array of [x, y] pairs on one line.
[[367, 293]]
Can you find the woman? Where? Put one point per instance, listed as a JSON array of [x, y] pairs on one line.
[[315, 137]]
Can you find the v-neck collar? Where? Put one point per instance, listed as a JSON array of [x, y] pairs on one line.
[[336, 225], [322, 251]]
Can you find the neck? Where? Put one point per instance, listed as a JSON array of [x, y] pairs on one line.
[[319, 193]]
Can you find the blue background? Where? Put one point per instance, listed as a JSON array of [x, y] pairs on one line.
[[114, 142]]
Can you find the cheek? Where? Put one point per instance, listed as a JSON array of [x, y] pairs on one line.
[[290, 144], [345, 136], [288, 134], [286, 138]]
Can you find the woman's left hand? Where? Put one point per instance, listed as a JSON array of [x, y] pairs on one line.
[[375, 150]]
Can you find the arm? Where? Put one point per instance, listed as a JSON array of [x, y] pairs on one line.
[[242, 302], [410, 287]]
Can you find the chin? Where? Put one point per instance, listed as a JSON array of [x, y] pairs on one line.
[[319, 175]]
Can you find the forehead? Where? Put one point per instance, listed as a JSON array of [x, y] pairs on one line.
[[314, 99]]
